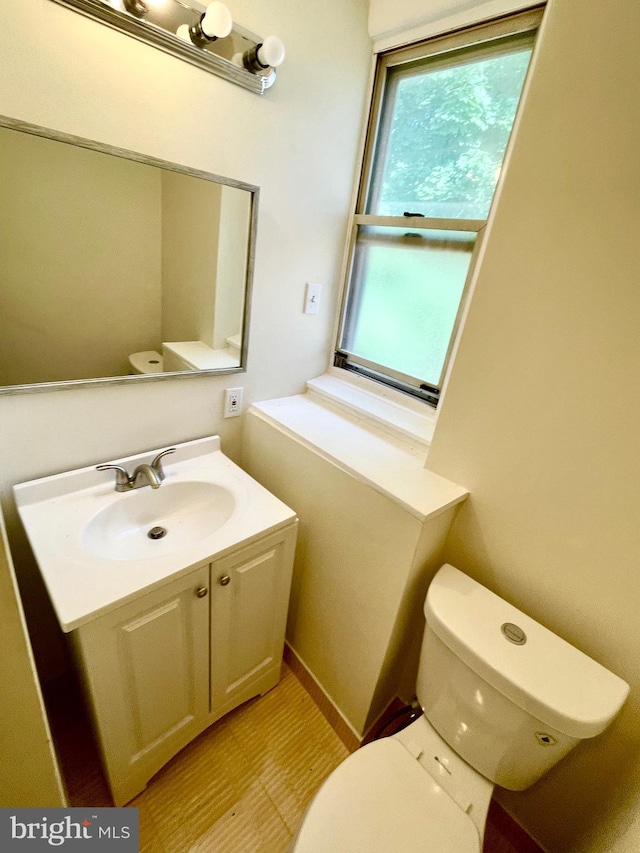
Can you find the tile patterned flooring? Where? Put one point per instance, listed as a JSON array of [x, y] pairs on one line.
[[242, 786]]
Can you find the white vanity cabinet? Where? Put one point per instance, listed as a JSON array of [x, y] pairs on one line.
[[163, 667], [175, 597]]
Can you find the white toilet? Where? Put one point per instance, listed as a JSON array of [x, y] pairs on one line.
[[147, 361], [504, 700]]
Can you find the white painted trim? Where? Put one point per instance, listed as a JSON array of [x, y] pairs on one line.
[[428, 26]]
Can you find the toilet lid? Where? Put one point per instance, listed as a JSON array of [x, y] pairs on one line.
[[380, 800], [148, 361]]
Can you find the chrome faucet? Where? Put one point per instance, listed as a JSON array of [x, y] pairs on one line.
[[144, 475]]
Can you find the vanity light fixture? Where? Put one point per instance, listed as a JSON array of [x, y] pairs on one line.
[[203, 35], [215, 23], [139, 8], [136, 7], [269, 54]]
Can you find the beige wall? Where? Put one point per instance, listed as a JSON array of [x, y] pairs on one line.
[[28, 774], [231, 273], [362, 567], [71, 306], [190, 229], [541, 416], [205, 234], [298, 143]]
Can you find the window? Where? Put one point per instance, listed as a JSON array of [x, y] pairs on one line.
[[440, 120]]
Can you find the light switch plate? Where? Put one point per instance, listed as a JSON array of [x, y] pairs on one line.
[[312, 298]]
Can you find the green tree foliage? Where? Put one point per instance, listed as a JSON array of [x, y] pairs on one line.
[[448, 133]]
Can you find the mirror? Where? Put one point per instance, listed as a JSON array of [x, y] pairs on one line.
[[115, 266]]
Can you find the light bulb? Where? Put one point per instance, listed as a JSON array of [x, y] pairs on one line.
[[183, 32], [271, 52], [216, 22]]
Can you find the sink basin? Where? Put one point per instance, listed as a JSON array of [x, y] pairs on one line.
[[92, 543], [149, 523]]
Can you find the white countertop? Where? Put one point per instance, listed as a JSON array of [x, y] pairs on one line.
[[56, 510]]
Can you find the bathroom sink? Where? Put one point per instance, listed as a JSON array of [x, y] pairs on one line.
[[149, 522], [97, 547]]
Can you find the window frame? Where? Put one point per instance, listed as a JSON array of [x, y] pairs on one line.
[[527, 21]]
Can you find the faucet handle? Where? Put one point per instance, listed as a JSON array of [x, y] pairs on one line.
[[123, 480], [157, 462]]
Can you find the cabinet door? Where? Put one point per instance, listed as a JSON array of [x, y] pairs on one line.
[[146, 666], [249, 601]]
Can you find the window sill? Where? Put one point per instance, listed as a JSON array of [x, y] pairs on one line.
[[403, 417], [378, 441]]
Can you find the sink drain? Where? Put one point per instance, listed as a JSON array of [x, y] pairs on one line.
[[157, 533]]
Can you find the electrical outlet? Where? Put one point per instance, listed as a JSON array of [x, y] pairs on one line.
[[312, 298], [232, 402]]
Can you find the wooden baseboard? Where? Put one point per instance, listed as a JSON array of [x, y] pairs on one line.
[[325, 706]]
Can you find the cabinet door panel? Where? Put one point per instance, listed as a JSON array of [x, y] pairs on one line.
[[146, 667], [248, 619], [156, 658], [253, 604]]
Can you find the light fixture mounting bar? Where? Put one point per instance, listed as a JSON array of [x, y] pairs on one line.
[[154, 30]]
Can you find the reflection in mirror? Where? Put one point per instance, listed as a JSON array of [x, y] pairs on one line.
[[114, 264]]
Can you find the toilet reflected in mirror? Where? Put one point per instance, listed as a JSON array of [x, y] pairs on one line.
[[148, 361]]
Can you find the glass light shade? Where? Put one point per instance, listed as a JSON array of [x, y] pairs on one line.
[[271, 52], [217, 21]]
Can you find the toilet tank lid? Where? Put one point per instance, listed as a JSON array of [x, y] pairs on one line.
[[545, 675]]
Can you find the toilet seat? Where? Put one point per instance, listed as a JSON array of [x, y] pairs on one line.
[[380, 800]]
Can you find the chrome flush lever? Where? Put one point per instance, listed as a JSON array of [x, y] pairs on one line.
[[157, 462]]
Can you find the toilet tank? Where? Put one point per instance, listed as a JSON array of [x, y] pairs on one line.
[[508, 695]]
